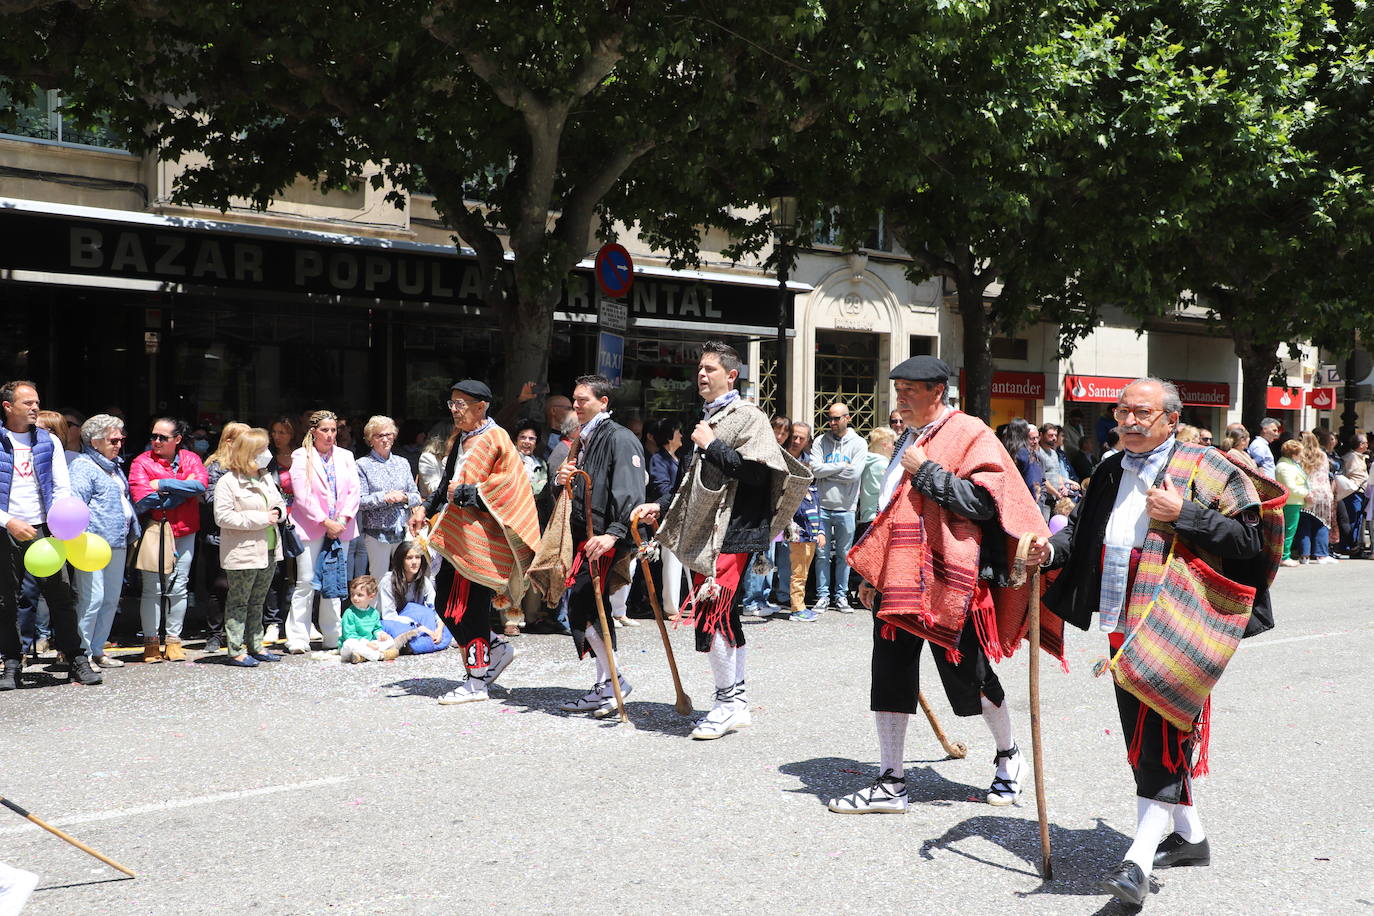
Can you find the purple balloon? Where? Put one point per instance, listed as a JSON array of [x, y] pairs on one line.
[[1057, 523], [68, 517]]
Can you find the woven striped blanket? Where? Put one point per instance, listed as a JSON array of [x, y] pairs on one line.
[[492, 546], [924, 560], [1186, 615]]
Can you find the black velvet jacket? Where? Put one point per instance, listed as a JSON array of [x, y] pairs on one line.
[[1075, 595]]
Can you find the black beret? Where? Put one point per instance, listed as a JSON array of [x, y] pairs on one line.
[[473, 389], [922, 369]]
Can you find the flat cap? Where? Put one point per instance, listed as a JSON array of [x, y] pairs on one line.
[[473, 389], [922, 369]]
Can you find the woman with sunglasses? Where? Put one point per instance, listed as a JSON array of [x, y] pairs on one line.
[[168, 484], [98, 480]]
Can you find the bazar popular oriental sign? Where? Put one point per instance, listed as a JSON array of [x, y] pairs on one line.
[[199, 257], [1106, 389]]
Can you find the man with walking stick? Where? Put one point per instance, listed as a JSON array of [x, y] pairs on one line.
[[486, 535], [1174, 547], [936, 564], [611, 462], [736, 489]]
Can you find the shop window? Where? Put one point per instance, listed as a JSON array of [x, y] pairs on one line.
[[847, 370], [827, 231], [1009, 348], [41, 117], [922, 346]]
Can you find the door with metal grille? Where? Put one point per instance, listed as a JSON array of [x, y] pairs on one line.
[[847, 370]]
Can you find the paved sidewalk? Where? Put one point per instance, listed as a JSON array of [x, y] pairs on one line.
[[309, 786]]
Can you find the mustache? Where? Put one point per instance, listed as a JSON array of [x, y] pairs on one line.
[[1135, 428]]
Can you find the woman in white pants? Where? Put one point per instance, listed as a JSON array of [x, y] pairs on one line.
[[325, 481], [389, 509]]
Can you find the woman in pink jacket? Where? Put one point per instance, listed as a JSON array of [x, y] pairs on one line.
[[168, 484], [325, 482]]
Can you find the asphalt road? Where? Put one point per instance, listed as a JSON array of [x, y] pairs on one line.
[[310, 786]]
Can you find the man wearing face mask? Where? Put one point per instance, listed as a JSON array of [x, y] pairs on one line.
[[486, 534], [1167, 532]]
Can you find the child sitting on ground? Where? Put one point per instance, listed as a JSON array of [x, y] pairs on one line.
[[407, 602], [363, 638]]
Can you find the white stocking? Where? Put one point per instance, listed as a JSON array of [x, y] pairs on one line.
[[739, 668], [892, 742], [722, 657], [998, 719], [1187, 824], [598, 647], [1153, 819]]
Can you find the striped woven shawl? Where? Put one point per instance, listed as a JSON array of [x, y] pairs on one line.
[[492, 546], [924, 560]]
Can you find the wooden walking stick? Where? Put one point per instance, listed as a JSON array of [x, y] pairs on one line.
[[684, 702], [596, 588], [955, 749], [1022, 569], [62, 836]]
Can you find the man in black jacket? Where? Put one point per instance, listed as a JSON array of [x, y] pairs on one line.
[[614, 460], [1143, 502]]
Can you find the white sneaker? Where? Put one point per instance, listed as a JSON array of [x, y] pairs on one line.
[[607, 707], [271, 635], [472, 690], [887, 795], [108, 661], [588, 701], [1327, 561], [296, 648], [842, 606], [502, 654], [1005, 791]]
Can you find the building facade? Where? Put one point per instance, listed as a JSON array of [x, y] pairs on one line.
[[114, 297]]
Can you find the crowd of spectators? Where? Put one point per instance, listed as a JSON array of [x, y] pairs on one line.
[[250, 535]]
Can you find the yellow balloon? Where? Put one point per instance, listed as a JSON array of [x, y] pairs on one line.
[[45, 557], [88, 552]]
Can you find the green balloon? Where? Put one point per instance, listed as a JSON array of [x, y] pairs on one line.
[[88, 552], [44, 558]]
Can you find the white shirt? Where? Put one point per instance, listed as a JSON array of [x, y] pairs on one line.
[[26, 502], [892, 478]]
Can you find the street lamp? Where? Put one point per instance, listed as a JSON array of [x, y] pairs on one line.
[[782, 217]]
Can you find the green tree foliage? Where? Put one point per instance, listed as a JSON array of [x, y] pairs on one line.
[[522, 119]]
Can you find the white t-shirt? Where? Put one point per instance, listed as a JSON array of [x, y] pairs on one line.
[[26, 502]]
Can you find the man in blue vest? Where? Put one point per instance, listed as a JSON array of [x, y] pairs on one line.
[[33, 473]]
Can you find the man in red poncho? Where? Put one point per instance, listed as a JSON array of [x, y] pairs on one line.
[[936, 568]]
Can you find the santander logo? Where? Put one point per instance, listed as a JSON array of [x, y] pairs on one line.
[[1079, 390], [1321, 399]]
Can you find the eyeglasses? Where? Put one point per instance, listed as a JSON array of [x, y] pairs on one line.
[[835, 419], [384, 435], [458, 405], [159, 437], [1143, 414]]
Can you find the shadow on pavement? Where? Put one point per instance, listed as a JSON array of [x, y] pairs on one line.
[[1081, 857], [432, 687], [645, 716], [827, 777], [62, 887]]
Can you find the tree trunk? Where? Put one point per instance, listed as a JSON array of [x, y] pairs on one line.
[[527, 332], [1257, 362], [976, 396]]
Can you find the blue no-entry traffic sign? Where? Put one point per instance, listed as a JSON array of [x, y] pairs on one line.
[[615, 271]]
